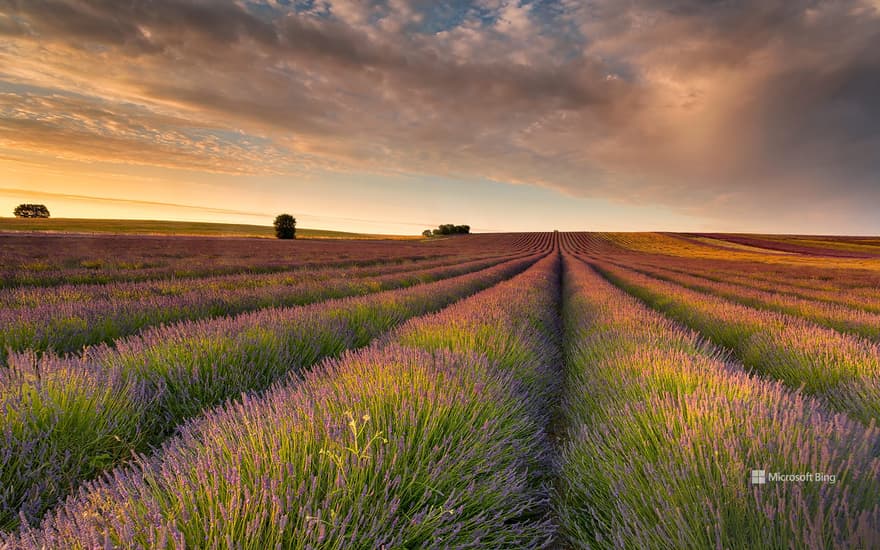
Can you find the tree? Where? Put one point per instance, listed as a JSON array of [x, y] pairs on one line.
[[448, 229], [427, 233], [285, 226], [31, 211]]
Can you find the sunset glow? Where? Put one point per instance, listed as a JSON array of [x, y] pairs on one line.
[[396, 115]]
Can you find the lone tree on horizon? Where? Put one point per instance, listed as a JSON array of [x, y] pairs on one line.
[[31, 211], [285, 226], [448, 229]]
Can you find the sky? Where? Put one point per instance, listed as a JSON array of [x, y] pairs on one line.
[[393, 116]]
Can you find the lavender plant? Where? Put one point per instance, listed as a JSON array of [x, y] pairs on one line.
[[839, 317], [398, 445], [662, 434], [69, 318], [182, 370], [841, 369]]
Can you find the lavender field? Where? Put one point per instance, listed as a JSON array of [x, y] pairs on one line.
[[519, 390]]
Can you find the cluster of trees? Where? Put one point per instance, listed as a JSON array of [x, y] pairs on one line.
[[448, 229], [31, 211], [285, 226]]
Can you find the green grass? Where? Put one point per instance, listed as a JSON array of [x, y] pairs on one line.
[[163, 227]]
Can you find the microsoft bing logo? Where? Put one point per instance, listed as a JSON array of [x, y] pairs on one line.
[[761, 477]]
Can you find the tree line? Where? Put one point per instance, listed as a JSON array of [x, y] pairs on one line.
[[447, 229], [31, 211]]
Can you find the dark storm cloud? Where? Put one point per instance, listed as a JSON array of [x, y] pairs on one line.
[[713, 107], [122, 23], [756, 104]]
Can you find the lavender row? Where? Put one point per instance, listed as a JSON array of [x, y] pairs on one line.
[[663, 435], [843, 370], [125, 291], [838, 317], [91, 270], [48, 260], [829, 278], [434, 437], [68, 326], [68, 419], [848, 286], [865, 298]]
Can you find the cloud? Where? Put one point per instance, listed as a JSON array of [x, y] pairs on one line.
[[713, 108], [38, 195], [81, 128]]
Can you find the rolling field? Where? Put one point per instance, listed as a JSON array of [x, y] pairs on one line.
[[165, 227], [540, 390]]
